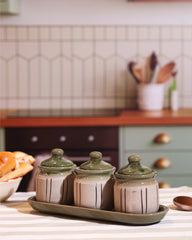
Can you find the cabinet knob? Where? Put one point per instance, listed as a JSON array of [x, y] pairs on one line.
[[62, 139], [162, 138], [162, 163], [164, 185], [91, 138], [34, 139]]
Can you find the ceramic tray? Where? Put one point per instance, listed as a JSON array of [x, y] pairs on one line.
[[110, 216]]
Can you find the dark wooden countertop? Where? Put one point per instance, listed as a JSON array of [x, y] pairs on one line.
[[125, 118]]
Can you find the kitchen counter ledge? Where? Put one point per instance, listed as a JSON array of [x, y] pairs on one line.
[[125, 118]]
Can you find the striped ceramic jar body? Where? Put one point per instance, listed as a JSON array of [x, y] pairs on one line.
[[94, 191], [136, 196], [55, 188]]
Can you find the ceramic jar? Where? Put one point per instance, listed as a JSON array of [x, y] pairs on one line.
[[54, 182], [94, 182], [136, 189]]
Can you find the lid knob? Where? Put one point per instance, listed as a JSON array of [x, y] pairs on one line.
[[57, 151], [134, 159], [95, 156], [95, 165]]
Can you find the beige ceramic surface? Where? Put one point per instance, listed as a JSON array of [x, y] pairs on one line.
[[94, 192], [110, 216], [8, 188], [93, 184], [54, 182], [136, 189], [55, 188]]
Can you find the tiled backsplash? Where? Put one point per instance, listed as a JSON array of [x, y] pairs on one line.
[[68, 67]]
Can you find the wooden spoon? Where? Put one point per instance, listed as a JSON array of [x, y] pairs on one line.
[[183, 203], [165, 72], [130, 68]]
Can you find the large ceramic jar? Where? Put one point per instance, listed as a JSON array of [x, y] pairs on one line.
[[136, 189], [54, 182], [94, 182]]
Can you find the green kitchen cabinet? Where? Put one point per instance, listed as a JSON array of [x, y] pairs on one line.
[[140, 140], [2, 139]]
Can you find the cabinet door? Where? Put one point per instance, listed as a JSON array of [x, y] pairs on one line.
[[142, 138]]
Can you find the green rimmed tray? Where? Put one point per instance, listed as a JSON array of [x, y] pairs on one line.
[[103, 215]]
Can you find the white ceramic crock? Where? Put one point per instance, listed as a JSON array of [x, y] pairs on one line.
[[135, 188], [54, 182], [93, 184]]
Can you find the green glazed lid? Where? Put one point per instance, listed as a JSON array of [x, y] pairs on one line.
[[95, 165], [135, 170], [57, 163]]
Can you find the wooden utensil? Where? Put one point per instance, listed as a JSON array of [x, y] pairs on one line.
[[130, 68], [138, 73], [183, 203], [150, 65], [165, 72]]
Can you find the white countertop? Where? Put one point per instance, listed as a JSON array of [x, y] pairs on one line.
[[19, 221]]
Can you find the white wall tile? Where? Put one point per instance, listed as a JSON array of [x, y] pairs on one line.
[[22, 33], [127, 50], [55, 33], [88, 78], [82, 50], [23, 78], [171, 49], [110, 82], [12, 78], [66, 33], [44, 33], [34, 76], [105, 49], [86, 66], [143, 33], [132, 33], [88, 33], [28, 49], [100, 75], [105, 103], [34, 33], [187, 33], [77, 103], [145, 48], [121, 33], [50, 50], [165, 33], [39, 103], [67, 74], [176, 33], [56, 78], [88, 103], [45, 74], [77, 78], [3, 79], [11, 33], [77, 33], [110, 33], [8, 50], [2, 33], [99, 33], [154, 33], [121, 78]]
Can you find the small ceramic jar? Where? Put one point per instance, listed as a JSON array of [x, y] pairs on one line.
[[136, 189], [54, 182], [94, 182]]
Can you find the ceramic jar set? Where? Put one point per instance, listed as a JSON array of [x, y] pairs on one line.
[[132, 189]]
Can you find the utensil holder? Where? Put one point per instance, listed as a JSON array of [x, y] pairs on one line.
[[150, 96]]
